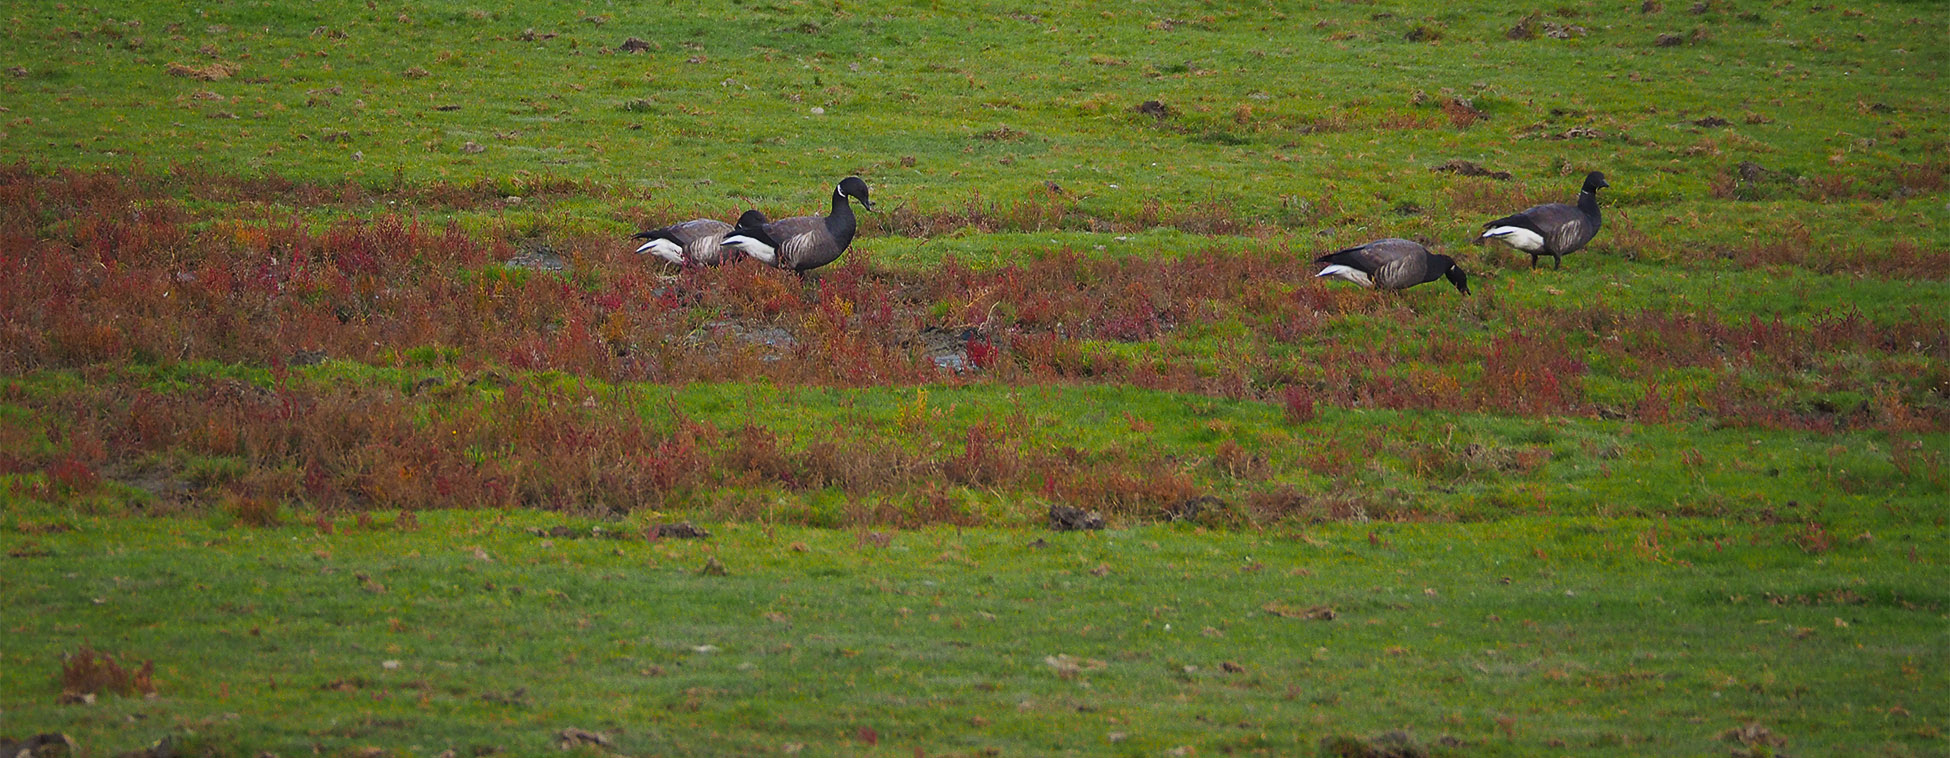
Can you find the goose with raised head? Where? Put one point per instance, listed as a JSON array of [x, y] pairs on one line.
[[1556, 229], [1392, 264], [803, 243], [699, 240]]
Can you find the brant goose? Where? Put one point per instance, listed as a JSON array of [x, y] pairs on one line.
[[803, 243], [695, 241], [1392, 264], [1556, 230]]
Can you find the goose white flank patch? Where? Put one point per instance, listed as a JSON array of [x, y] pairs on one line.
[[1346, 274], [1392, 264], [803, 243], [699, 241], [1556, 229], [750, 243], [665, 249], [1518, 237]]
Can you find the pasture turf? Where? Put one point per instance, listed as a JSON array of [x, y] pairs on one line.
[[285, 394], [471, 632]]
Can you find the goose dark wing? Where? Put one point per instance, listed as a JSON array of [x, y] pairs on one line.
[[686, 232], [1374, 256], [1391, 263], [798, 238], [693, 240], [1564, 227], [1518, 220], [706, 244], [697, 229]]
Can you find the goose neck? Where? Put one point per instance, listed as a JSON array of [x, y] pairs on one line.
[[840, 221]]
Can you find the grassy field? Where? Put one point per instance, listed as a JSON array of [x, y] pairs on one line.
[[1512, 637], [322, 354]]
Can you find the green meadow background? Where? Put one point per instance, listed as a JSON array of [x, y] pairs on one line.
[[1683, 497]]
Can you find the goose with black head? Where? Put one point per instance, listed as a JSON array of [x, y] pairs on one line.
[[804, 243], [1392, 264], [1556, 229], [697, 241]]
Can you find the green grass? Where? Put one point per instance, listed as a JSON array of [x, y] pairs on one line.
[[1282, 115], [1515, 637], [1518, 583]]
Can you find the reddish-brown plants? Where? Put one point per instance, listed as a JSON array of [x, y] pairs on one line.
[[90, 672]]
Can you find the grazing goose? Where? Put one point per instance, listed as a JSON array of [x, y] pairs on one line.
[[698, 240], [1392, 264], [803, 243], [1556, 230]]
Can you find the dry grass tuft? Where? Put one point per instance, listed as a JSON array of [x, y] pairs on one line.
[[88, 672], [211, 72]]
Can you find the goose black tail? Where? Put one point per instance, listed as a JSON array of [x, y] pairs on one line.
[[1340, 257], [1517, 220]]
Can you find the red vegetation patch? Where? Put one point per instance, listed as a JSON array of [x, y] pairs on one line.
[[70, 475], [1528, 374], [1462, 114], [257, 511], [107, 270], [1299, 404], [1493, 200], [88, 672], [338, 447]]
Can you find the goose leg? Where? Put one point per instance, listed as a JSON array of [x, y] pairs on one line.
[[1533, 260], [1557, 261]]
